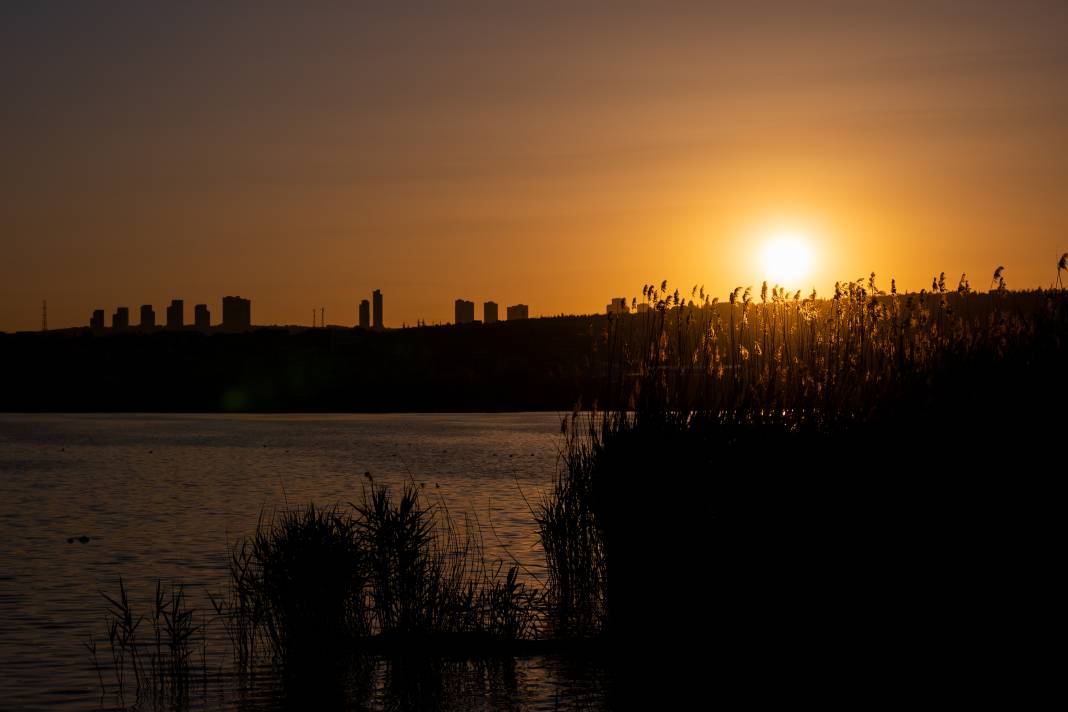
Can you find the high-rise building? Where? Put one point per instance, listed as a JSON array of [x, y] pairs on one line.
[[201, 317], [618, 306], [176, 314], [489, 312], [236, 314], [518, 311], [97, 322], [148, 317], [377, 299], [465, 311], [365, 314], [120, 320]]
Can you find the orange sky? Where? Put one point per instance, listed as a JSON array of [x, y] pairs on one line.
[[303, 158]]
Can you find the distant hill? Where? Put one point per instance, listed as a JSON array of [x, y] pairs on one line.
[[536, 364]]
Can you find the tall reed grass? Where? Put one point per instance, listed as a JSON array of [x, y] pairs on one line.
[[375, 577], [711, 415], [748, 471], [159, 661], [315, 592]]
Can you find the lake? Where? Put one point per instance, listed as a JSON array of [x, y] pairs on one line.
[[165, 496]]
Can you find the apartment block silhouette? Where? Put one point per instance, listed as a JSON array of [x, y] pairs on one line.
[[176, 314], [201, 317], [236, 314], [377, 297], [465, 311], [365, 314], [148, 317]]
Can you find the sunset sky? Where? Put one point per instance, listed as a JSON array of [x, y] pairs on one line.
[[305, 154]]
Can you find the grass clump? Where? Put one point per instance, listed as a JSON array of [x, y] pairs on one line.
[[304, 575], [371, 578], [320, 593], [571, 535], [409, 584]]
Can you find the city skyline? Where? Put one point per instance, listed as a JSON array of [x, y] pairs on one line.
[[446, 315], [236, 315]]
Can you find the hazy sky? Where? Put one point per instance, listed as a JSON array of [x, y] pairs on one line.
[[304, 154]]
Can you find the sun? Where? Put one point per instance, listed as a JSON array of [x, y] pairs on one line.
[[786, 258]]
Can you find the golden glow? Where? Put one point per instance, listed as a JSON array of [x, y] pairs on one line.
[[786, 258], [563, 159]]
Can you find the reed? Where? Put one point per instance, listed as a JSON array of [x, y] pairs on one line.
[[160, 659], [301, 579], [318, 593], [730, 451], [389, 570], [725, 400]]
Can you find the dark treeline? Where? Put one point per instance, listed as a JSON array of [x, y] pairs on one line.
[[537, 364]]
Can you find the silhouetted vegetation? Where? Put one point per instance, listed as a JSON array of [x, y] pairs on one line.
[[158, 660], [320, 594], [792, 469], [315, 582], [299, 581], [777, 470]]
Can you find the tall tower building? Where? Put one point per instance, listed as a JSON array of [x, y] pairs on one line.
[[148, 317], [201, 317], [97, 322], [237, 314], [489, 312], [465, 311], [120, 320], [365, 314], [176, 314], [377, 299], [518, 311]]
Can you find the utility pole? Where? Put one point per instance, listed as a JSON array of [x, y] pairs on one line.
[[322, 316], [44, 315]]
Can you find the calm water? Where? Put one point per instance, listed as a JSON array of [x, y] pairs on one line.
[[164, 495]]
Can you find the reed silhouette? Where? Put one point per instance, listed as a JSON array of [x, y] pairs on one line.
[[826, 460], [158, 661], [319, 595], [768, 486]]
